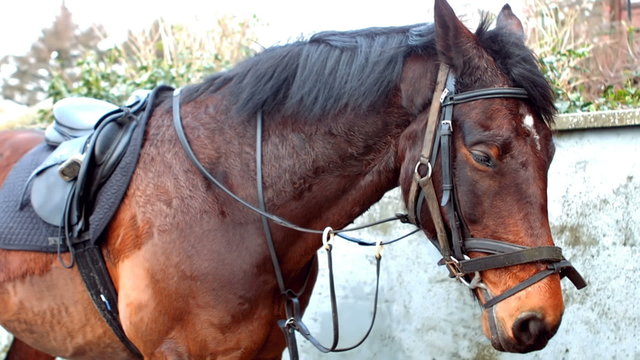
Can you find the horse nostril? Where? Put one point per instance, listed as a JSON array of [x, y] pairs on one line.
[[531, 332]]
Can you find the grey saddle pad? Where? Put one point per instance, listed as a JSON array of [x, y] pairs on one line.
[[24, 230]]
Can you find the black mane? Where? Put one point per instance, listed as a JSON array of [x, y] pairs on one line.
[[519, 63], [331, 72], [354, 71]]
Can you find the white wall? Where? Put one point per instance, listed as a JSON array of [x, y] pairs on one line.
[[594, 194]]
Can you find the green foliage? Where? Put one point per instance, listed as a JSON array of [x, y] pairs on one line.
[[562, 67], [628, 95], [109, 76], [592, 65], [163, 54], [570, 96]]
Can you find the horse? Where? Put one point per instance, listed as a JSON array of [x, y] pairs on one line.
[[343, 123]]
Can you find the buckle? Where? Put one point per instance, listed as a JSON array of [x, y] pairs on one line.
[[453, 265], [290, 323], [379, 248], [447, 123], [327, 238], [445, 92]]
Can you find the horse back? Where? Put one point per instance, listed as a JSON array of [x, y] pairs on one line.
[[31, 275], [13, 145]]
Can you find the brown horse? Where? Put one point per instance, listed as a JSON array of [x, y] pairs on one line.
[[342, 126]]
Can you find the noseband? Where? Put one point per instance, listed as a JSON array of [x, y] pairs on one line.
[[455, 247]]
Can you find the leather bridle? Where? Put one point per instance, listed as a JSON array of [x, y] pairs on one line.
[[455, 247]]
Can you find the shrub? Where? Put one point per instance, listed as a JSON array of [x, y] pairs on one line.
[[591, 63], [165, 53]]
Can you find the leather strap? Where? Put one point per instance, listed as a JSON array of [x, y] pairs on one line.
[[427, 158], [298, 325], [518, 257], [292, 308], [551, 269], [184, 142], [561, 266], [488, 93], [98, 282], [511, 254], [261, 202], [451, 243], [83, 248]]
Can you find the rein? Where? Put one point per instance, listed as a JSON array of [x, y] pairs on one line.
[[177, 122], [292, 306]]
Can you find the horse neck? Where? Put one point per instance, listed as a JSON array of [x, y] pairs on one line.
[[337, 168], [315, 173], [327, 173]]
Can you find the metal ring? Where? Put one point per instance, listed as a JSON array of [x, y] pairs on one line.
[[291, 322], [429, 169], [476, 281], [327, 237], [379, 248]]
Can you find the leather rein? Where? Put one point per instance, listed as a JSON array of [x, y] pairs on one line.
[[293, 308], [453, 249]]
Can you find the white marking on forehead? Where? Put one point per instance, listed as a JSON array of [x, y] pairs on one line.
[[527, 121]]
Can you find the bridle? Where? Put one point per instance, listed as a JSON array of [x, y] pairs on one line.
[[454, 248]]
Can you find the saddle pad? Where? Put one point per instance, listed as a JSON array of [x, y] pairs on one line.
[[24, 230]]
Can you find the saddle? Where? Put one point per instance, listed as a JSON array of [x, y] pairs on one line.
[[90, 137], [68, 188]]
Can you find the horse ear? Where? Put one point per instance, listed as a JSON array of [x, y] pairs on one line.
[[508, 21], [453, 40]]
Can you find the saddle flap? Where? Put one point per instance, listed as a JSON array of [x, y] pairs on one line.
[[49, 191], [49, 195]]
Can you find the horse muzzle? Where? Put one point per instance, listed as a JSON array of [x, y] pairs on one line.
[[527, 321], [530, 333]]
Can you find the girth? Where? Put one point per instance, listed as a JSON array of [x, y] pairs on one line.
[[451, 240]]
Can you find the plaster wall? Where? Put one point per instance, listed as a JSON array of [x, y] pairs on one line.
[[594, 194]]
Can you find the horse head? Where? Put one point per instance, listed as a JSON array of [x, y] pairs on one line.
[[493, 178]]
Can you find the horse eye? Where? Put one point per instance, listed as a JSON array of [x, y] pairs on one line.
[[482, 159]]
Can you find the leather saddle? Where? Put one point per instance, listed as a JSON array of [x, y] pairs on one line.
[[89, 138]]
